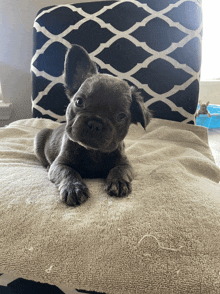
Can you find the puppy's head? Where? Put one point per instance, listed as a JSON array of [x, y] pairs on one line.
[[203, 107], [102, 106]]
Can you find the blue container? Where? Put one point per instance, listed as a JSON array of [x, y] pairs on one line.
[[212, 122]]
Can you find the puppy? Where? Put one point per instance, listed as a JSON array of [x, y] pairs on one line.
[[90, 144]]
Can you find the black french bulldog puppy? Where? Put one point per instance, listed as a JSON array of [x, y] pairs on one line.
[[90, 144]]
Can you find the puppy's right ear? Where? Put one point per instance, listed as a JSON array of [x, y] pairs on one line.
[[139, 112], [77, 68]]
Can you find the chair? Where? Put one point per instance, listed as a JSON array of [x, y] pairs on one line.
[[154, 45]]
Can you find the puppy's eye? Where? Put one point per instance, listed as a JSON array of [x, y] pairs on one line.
[[79, 102], [121, 116]]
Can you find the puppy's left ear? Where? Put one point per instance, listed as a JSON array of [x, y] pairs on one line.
[[139, 112]]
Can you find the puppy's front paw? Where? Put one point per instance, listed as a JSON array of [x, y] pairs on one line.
[[118, 182], [73, 193]]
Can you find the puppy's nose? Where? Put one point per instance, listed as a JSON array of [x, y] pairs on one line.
[[95, 125]]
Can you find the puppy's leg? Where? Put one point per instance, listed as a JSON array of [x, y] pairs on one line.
[[39, 145], [118, 181], [68, 181]]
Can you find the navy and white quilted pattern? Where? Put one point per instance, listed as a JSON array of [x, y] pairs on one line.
[[153, 44]]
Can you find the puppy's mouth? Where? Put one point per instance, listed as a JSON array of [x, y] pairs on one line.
[[92, 132]]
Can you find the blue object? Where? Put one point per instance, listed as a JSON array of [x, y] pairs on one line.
[[212, 122]]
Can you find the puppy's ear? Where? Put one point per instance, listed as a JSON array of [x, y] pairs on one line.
[[139, 112], [77, 68]]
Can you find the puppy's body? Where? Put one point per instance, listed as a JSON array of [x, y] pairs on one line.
[[90, 144], [89, 163]]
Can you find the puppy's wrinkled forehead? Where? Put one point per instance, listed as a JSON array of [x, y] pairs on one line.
[[106, 87]]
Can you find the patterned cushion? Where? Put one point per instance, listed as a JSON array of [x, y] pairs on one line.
[[153, 44]]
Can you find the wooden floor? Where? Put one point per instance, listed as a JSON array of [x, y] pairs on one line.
[[214, 143]]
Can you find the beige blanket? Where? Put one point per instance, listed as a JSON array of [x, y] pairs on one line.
[[163, 238]]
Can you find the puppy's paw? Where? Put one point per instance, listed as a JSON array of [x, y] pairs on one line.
[[118, 182], [73, 194]]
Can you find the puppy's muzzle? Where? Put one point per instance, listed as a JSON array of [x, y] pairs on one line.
[[95, 125], [93, 132]]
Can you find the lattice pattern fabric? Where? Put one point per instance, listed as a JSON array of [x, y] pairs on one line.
[[154, 45]]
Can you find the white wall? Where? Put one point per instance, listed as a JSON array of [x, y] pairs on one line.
[[210, 71], [210, 91], [210, 44], [16, 22]]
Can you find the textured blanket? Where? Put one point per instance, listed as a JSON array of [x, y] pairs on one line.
[[163, 238]]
